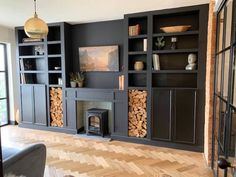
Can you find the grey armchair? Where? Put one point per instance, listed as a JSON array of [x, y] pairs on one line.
[[29, 162]]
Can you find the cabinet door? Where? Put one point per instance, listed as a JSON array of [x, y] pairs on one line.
[[27, 104], [40, 107], [162, 114], [185, 115], [71, 114], [120, 126]]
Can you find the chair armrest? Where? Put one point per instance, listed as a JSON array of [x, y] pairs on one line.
[[29, 162]]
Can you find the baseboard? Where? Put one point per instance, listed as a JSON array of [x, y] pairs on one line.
[[13, 122]]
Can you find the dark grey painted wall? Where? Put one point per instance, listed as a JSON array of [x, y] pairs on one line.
[[98, 34]]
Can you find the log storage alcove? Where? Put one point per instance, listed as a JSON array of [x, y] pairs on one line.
[[137, 113], [56, 107]]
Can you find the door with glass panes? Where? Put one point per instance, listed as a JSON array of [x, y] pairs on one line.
[[3, 86], [224, 131]]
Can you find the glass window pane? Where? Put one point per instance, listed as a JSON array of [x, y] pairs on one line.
[[229, 7], [226, 73], [222, 125], [233, 134], [215, 156], [217, 116], [2, 85], [234, 79], [3, 112], [2, 57], [218, 74], [234, 22], [220, 30], [231, 157]]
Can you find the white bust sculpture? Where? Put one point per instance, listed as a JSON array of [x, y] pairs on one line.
[[192, 58]]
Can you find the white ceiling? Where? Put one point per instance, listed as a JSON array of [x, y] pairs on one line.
[[16, 12]]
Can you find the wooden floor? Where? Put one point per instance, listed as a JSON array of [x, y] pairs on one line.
[[81, 157]]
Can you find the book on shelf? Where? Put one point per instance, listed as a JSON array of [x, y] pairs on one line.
[[22, 77], [22, 64], [134, 30], [156, 62]]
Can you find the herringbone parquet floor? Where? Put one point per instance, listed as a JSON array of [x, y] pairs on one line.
[[80, 157]]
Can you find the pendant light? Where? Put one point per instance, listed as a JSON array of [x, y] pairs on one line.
[[35, 27]]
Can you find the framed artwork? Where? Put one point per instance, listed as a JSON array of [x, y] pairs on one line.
[[99, 58]]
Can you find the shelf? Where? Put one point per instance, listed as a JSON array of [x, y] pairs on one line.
[[137, 53], [174, 71], [32, 84], [176, 88], [175, 51], [54, 56], [138, 36], [55, 71], [32, 56], [30, 44], [32, 72], [137, 72], [54, 42], [137, 88], [55, 85], [176, 34]]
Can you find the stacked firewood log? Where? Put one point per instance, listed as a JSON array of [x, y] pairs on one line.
[[56, 108], [137, 113]]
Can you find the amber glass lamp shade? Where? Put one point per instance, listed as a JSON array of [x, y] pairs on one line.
[[36, 28]]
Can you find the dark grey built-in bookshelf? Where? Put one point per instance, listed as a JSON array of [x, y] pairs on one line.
[[175, 96]]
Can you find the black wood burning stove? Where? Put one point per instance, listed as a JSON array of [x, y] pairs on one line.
[[97, 121]]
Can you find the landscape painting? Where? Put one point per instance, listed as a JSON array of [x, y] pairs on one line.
[[99, 58]]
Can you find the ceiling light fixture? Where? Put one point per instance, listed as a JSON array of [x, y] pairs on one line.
[[36, 27]]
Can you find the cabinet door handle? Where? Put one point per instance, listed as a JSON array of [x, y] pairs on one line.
[[223, 164]]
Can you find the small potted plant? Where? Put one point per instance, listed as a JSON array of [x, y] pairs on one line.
[[160, 43], [80, 79], [73, 80]]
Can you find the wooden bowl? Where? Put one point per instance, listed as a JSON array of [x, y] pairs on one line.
[[175, 29]]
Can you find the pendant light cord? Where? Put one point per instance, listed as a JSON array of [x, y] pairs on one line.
[[35, 7]]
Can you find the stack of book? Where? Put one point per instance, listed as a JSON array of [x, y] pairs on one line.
[[134, 30]]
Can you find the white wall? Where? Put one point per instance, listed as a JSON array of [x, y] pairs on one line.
[[7, 36], [82, 11]]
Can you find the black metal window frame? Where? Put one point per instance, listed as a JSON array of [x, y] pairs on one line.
[[229, 100], [6, 83]]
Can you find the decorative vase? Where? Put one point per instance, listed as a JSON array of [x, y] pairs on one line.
[[138, 65], [80, 84], [72, 84], [144, 45]]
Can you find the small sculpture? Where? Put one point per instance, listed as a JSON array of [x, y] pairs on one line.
[[39, 50], [160, 43], [173, 43], [192, 58]]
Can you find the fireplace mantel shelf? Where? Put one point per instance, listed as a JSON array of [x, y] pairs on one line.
[[91, 94]]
